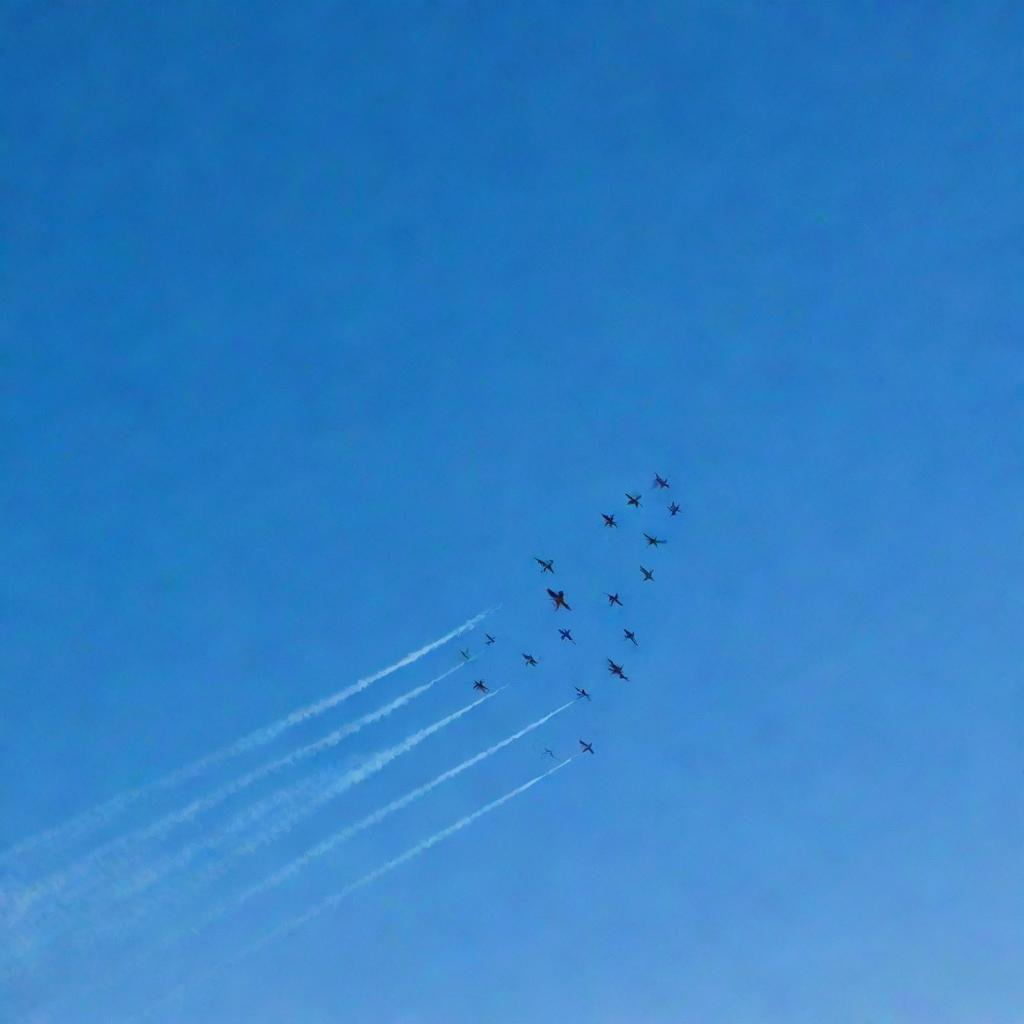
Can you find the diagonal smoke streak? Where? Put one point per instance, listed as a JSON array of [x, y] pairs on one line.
[[337, 898], [96, 868], [96, 817], [375, 818]]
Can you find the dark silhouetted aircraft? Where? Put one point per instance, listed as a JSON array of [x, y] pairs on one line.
[[630, 635], [633, 499], [481, 686], [559, 598], [580, 694], [609, 520], [660, 481], [673, 509], [548, 752], [490, 639], [529, 659], [648, 574], [465, 654], [566, 634], [616, 670], [653, 542], [586, 748], [546, 566], [613, 599]]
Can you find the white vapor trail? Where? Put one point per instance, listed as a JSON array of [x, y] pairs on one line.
[[96, 817], [97, 867], [337, 898], [375, 818], [373, 764]]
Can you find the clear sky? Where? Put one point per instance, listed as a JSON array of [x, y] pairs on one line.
[[321, 320]]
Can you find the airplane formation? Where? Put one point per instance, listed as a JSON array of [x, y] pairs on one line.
[[560, 603]]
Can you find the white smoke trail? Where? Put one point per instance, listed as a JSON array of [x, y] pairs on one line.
[[97, 867], [337, 898], [375, 818], [96, 817], [373, 764]]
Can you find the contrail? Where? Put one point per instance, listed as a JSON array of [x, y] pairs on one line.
[[360, 883], [375, 818], [373, 764], [96, 817], [105, 858]]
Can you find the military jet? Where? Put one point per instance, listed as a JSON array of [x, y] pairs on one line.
[[548, 752], [613, 599], [566, 634], [481, 686], [580, 694], [546, 566], [660, 481], [609, 520], [490, 639], [465, 654], [616, 670], [653, 542], [586, 748], [674, 509], [633, 499], [628, 634], [648, 574], [529, 659], [558, 596]]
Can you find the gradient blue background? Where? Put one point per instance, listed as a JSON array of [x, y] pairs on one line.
[[320, 320]]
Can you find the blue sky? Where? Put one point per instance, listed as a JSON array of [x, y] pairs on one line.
[[322, 320]]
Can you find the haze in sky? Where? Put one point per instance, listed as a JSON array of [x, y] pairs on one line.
[[323, 321]]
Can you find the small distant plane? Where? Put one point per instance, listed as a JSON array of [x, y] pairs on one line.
[[609, 520], [616, 670], [559, 598], [529, 659], [648, 574], [674, 509], [546, 566], [630, 635], [653, 542], [481, 686], [580, 694], [490, 639], [465, 654], [633, 499], [613, 599], [660, 481], [548, 752], [586, 748], [566, 634]]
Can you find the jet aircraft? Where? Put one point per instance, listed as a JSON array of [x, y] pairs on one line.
[[660, 481], [490, 639], [673, 509], [548, 752], [546, 565], [653, 542], [613, 599], [465, 654], [630, 635], [586, 748], [481, 686], [609, 520], [566, 634], [648, 574], [529, 659], [580, 694], [559, 598], [616, 670], [633, 499]]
